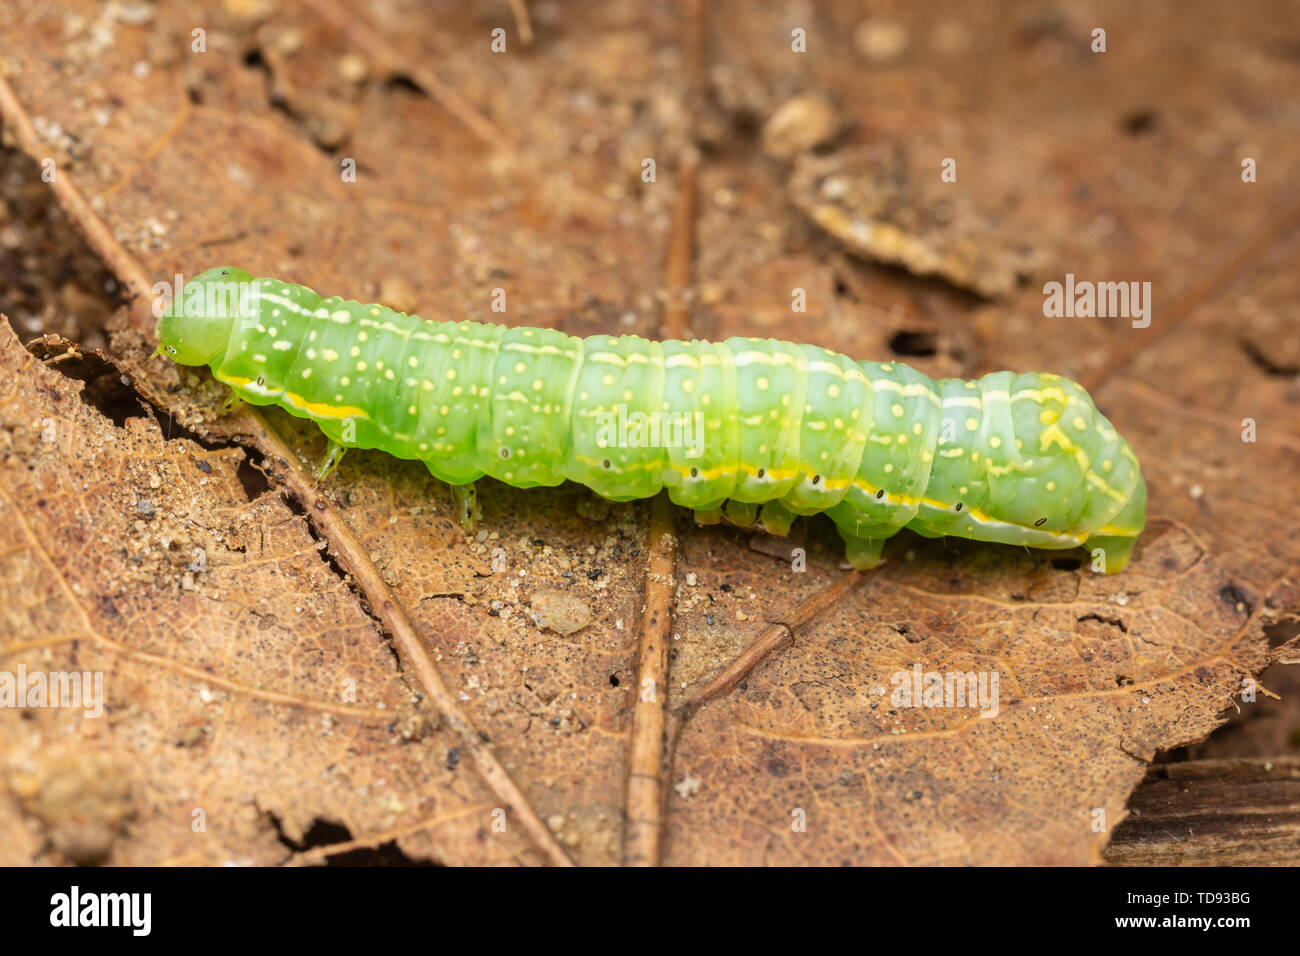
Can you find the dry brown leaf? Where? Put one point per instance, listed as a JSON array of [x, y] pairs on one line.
[[234, 156]]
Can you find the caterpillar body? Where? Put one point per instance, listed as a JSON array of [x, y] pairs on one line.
[[758, 429]]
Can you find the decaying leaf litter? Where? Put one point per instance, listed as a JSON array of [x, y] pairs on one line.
[[581, 243]]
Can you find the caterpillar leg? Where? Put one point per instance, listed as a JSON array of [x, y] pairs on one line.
[[466, 505], [232, 402], [333, 455], [776, 518], [707, 516], [1110, 554], [741, 514], [863, 553]]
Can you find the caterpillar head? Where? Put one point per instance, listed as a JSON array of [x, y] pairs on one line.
[[197, 324]]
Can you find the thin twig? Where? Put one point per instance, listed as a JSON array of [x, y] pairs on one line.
[[523, 23], [120, 262], [776, 635], [681, 251], [648, 759], [353, 554], [646, 783]]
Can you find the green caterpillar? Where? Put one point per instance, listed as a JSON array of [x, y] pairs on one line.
[[756, 429]]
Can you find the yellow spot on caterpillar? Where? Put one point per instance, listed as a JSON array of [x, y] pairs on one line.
[[607, 379], [412, 361], [995, 442], [761, 383], [1048, 416], [1051, 486], [306, 373], [538, 384], [972, 424], [427, 385], [1107, 465], [896, 409], [451, 374], [688, 385], [354, 351], [917, 429], [412, 410], [833, 390], [361, 366], [889, 467], [330, 355], [519, 368], [444, 410], [362, 336]]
